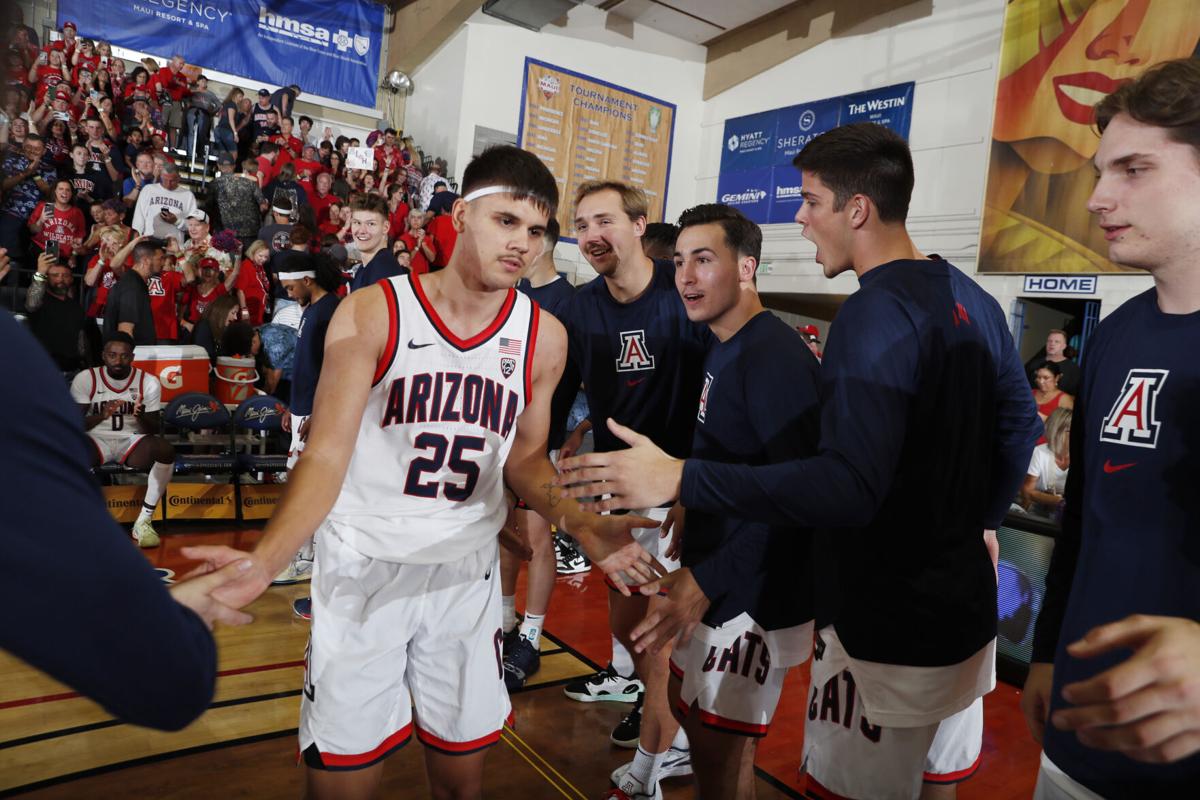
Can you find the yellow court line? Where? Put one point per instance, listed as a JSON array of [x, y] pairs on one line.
[[538, 756], [549, 780]]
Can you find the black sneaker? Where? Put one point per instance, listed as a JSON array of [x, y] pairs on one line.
[[629, 730], [511, 638], [521, 660], [604, 685]]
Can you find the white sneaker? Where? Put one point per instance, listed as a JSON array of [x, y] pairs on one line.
[[298, 571], [677, 763], [144, 534]]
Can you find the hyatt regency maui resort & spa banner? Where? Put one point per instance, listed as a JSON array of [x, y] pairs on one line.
[[1057, 60], [327, 49], [584, 129], [757, 176]]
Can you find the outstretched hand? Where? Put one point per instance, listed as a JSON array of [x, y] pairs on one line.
[[676, 616], [1148, 706], [238, 593], [198, 594], [642, 476], [608, 542]]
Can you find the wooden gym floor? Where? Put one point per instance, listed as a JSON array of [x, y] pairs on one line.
[[54, 744]]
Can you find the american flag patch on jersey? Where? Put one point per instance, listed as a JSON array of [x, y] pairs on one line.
[[511, 347]]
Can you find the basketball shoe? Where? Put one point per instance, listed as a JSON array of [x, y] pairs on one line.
[[630, 788], [629, 730], [568, 560], [296, 572], [604, 685], [676, 763], [144, 534], [302, 607], [521, 661]]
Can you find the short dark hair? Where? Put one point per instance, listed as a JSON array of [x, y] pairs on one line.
[[552, 233], [329, 274], [863, 158], [305, 118], [146, 249], [660, 233], [1166, 96], [742, 236], [506, 165], [370, 202], [266, 148], [386, 131], [1051, 367], [120, 337]]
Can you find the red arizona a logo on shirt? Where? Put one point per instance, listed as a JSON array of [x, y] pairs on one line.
[[634, 354], [1133, 419]]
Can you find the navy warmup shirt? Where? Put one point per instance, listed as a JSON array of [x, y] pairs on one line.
[[382, 265], [927, 425], [759, 405], [310, 352], [1130, 541], [554, 297], [84, 605], [640, 362]]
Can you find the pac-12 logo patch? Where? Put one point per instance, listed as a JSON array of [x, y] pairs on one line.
[[634, 354], [1133, 419], [708, 380], [508, 366]]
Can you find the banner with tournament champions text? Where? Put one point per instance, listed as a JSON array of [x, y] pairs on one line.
[[1057, 60], [585, 129]]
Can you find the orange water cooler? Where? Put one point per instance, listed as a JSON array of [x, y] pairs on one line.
[[179, 368]]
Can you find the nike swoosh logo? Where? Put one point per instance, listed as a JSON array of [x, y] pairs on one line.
[[412, 345], [1110, 467], [634, 382]]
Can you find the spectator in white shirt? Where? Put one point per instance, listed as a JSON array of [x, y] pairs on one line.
[[162, 207], [1047, 473]]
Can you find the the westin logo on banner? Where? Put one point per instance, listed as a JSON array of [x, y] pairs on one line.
[[312, 34]]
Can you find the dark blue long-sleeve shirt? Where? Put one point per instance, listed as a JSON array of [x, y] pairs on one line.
[[84, 604], [927, 425], [758, 406], [1130, 540]]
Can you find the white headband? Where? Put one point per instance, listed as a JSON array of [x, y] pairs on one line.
[[295, 276], [279, 210], [485, 191]]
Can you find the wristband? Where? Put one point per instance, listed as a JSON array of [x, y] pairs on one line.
[[37, 276]]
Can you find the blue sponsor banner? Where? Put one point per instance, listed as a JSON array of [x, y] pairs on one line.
[[796, 126], [785, 194], [749, 191], [890, 107], [327, 49], [749, 142], [759, 178]]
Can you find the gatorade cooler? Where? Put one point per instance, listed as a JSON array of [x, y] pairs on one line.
[[179, 368], [233, 379]]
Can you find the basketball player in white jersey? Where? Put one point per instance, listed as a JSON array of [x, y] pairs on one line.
[[121, 413], [435, 391]]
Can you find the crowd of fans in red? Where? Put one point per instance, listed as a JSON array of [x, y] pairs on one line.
[[95, 152]]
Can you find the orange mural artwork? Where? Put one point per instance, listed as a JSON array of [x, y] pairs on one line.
[[1058, 59]]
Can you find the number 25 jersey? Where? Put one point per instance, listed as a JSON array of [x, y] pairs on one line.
[[425, 484]]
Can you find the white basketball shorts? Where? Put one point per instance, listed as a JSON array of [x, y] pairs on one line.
[[845, 756], [115, 448], [731, 676], [392, 639]]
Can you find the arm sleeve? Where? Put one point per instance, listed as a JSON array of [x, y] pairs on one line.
[[152, 399], [1017, 430], [106, 626], [140, 209], [868, 384], [1066, 550]]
